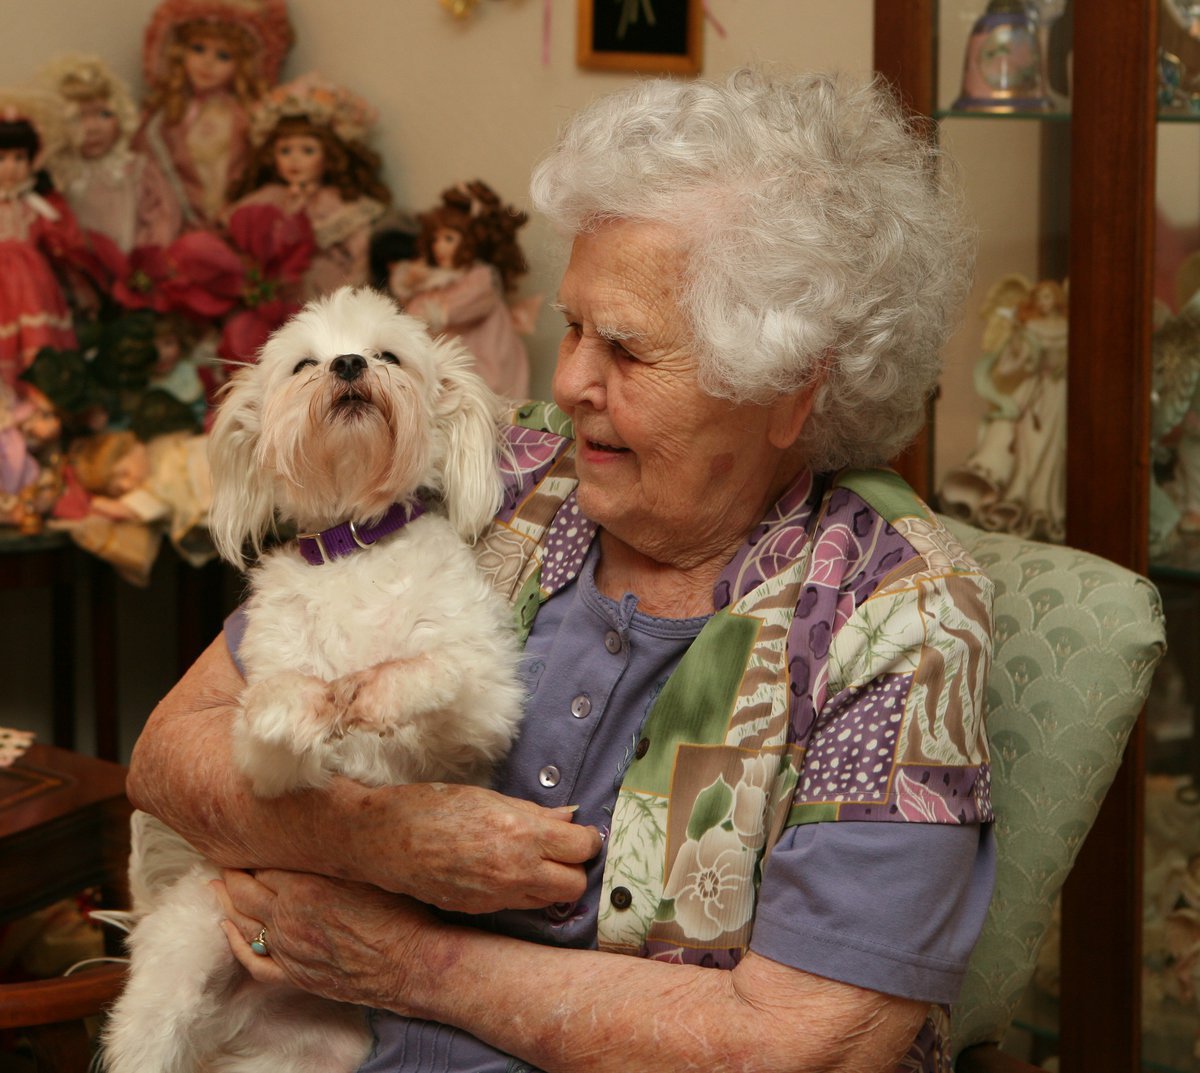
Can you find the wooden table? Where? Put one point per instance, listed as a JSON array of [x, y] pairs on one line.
[[64, 826]]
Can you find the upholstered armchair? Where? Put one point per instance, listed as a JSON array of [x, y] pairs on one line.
[[1077, 639]]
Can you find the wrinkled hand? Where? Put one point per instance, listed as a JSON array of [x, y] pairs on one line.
[[346, 941], [472, 850]]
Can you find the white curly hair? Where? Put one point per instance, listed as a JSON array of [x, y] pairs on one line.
[[826, 239]]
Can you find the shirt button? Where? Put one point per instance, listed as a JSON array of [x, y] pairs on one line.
[[581, 706], [612, 641], [643, 747], [621, 898], [549, 776]]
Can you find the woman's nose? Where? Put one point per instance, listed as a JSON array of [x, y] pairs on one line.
[[579, 374]]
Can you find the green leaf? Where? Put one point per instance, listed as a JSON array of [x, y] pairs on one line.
[[711, 808]]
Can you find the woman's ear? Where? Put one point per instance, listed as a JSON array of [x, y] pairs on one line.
[[788, 413]]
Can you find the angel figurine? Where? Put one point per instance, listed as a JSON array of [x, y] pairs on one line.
[[311, 157], [463, 281], [206, 63], [110, 187], [35, 225], [1015, 480]]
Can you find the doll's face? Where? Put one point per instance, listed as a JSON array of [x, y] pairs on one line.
[[209, 63], [97, 129], [15, 168], [42, 426], [130, 472], [300, 159], [1046, 300], [444, 246]]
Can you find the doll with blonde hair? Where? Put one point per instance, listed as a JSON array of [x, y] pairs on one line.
[[462, 284], [311, 157], [207, 62], [141, 491], [111, 187]]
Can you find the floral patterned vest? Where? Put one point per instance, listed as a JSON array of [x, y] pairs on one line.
[[841, 677]]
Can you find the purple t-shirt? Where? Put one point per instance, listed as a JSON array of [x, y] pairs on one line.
[[891, 907]]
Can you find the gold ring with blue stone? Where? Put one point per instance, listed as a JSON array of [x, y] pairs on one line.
[[259, 943]]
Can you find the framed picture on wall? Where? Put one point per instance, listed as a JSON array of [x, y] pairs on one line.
[[654, 36]]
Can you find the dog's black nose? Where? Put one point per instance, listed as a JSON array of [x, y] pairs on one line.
[[349, 366]]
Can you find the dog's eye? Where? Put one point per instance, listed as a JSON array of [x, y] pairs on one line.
[[302, 363], [389, 357]]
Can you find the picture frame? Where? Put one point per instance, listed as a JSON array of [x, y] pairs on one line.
[[648, 36]]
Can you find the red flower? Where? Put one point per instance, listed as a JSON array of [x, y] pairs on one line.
[[277, 249], [205, 276], [138, 281], [280, 245], [245, 333]]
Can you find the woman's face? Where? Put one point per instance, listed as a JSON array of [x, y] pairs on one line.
[[97, 129], [14, 168], [300, 159], [209, 63], [669, 470], [445, 246]]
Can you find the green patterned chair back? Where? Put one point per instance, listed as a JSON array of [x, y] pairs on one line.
[[1077, 639]]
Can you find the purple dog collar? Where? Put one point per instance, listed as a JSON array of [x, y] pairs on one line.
[[347, 538]]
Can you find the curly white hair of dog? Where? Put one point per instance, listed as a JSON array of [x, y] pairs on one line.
[[395, 662]]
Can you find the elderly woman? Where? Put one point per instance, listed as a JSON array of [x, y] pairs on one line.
[[746, 822]]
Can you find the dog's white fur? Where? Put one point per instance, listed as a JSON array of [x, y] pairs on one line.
[[391, 665]]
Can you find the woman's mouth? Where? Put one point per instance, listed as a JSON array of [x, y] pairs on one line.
[[596, 445]]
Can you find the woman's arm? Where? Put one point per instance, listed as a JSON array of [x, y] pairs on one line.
[[459, 847], [575, 1011]]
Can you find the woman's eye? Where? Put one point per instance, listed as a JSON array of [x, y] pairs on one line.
[[302, 363], [389, 357]]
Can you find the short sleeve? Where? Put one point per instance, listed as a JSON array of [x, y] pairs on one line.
[[892, 907], [235, 630]]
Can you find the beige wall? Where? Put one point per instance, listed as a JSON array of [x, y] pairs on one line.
[[458, 99]]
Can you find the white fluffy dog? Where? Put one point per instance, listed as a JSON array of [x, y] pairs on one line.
[[374, 648]]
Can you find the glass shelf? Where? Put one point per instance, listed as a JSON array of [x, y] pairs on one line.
[[1043, 117]]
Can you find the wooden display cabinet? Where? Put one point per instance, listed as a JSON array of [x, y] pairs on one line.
[[1104, 154]]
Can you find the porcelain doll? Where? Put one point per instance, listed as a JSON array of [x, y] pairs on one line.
[[206, 63], [110, 187], [310, 158], [36, 224], [468, 268], [1015, 480]]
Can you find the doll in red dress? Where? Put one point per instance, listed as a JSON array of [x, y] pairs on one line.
[[35, 225], [311, 157]]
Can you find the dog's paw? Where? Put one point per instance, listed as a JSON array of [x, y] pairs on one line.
[[283, 733], [384, 697]]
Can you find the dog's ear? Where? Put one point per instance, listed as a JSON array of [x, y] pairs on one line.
[[468, 414], [243, 507]]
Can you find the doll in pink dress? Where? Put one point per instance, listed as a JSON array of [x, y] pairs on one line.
[[311, 158], [207, 62], [461, 285], [35, 225], [111, 187]]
